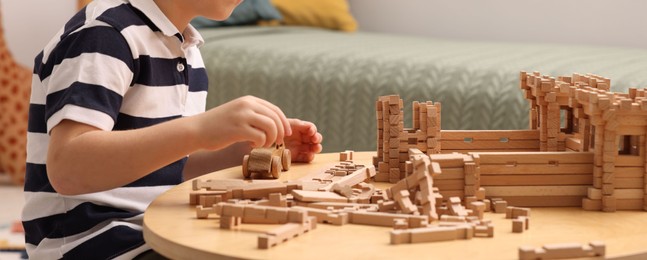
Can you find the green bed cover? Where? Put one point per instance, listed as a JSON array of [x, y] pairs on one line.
[[333, 79]]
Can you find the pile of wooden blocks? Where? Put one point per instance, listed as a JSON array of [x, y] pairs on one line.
[[343, 194]]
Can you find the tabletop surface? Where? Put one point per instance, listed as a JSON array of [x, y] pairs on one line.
[[171, 228]]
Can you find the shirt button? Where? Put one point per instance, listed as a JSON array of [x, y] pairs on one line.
[[180, 67]]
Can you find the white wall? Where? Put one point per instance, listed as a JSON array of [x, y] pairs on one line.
[[30, 24], [598, 22]]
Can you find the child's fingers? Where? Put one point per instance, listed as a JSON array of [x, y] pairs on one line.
[[283, 119], [278, 133], [305, 157], [316, 138], [266, 125], [316, 148], [256, 136]]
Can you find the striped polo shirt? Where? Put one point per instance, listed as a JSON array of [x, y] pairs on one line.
[[116, 65]]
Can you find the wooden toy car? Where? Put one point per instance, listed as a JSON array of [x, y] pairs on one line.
[[267, 162]]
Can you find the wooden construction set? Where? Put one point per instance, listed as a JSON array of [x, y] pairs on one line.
[[585, 148]]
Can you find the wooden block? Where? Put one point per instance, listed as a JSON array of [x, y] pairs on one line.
[[544, 201], [236, 210], [514, 212], [228, 222], [253, 212], [400, 224], [534, 169], [488, 205], [317, 196], [213, 185], [609, 203], [480, 193], [344, 156], [277, 214], [433, 234], [591, 205], [325, 216], [400, 237], [594, 194], [276, 200], [204, 212], [284, 232], [536, 180], [484, 230], [449, 184], [518, 225], [502, 191], [403, 200], [629, 193], [499, 206], [528, 253], [629, 204], [195, 196], [382, 219]]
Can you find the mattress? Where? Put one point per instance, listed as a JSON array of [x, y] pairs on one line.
[[334, 78]]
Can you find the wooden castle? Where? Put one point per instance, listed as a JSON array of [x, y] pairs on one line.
[[585, 147]]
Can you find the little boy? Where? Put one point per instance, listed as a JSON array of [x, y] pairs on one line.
[[117, 104]]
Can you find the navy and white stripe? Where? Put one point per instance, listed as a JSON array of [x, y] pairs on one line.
[[116, 65]]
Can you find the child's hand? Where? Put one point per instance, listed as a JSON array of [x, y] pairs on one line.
[[304, 142], [245, 119]]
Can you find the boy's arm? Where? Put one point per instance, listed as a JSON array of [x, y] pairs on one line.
[[83, 159], [203, 162]]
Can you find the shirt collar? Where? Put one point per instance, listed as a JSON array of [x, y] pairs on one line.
[[190, 36], [150, 9]]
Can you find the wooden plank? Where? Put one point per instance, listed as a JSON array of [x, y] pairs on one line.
[[573, 144], [449, 184], [503, 191], [629, 204], [629, 193], [452, 193], [535, 180], [544, 201], [318, 196], [450, 174], [449, 160], [630, 129], [629, 183], [525, 169], [490, 144], [629, 172], [460, 135], [536, 157], [630, 160], [521, 150]]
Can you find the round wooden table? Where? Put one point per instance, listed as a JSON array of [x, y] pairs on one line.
[[172, 229]]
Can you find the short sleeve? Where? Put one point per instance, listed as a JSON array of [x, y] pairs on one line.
[[86, 76]]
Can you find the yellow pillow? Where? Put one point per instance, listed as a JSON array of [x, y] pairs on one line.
[[330, 14], [83, 3]]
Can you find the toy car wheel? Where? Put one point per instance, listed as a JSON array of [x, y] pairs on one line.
[[246, 172], [286, 159], [274, 167]]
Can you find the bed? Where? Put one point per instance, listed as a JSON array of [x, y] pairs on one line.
[[333, 78]]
